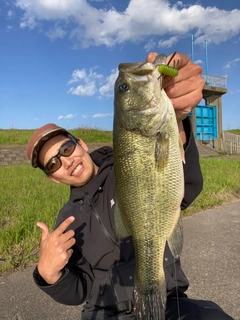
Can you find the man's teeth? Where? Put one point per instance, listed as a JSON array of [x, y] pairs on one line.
[[76, 170]]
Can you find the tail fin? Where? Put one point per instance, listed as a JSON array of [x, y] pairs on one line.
[[150, 303]]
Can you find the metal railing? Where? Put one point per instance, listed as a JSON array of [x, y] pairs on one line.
[[229, 143], [226, 146], [228, 136], [215, 81]]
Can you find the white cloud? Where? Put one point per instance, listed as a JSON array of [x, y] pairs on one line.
[[87, 25], [168, 43], [232, 63], [227, 66], [10, 14], [102, 115], [178, 4], [77, 75], [198, 62], [69, 116], [107, 89], [150, 45], [89, 83], [87, 90], [56, 33]]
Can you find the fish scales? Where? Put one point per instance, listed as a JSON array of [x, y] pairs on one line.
[[149, 180]]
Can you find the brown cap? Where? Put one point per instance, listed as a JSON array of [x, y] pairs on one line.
[[38, 139]]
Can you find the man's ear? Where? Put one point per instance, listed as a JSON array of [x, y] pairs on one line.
[[52, 179], [83, 144]]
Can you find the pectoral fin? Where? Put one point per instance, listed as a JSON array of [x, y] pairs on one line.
[[161, 151]]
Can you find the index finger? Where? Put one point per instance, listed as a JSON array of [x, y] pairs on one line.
[[64, 225], [182, 59]]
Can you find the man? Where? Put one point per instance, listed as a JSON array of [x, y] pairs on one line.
[[80, 261]]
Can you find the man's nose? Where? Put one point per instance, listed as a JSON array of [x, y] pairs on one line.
[[67, 162]]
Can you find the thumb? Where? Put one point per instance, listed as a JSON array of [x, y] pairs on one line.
[[151, 56], [45, 230]]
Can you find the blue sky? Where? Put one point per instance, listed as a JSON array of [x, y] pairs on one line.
[[59, 58]]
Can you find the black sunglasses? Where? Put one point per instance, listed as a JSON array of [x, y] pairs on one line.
[[55, 162]]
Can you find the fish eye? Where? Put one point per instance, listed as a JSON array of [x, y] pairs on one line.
[[123, 87]]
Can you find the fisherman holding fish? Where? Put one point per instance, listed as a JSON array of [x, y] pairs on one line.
[[83, 261]]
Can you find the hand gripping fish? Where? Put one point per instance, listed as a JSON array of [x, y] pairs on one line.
[[148, 157]]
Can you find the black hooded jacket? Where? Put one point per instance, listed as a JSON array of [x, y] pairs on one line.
[[101, 270]]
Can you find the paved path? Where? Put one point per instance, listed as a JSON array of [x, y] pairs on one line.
[[205, 150], [12, 155], [210, 259]]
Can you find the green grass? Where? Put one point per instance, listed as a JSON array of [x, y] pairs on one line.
[[21, 137], [221, 183], [235, 131], [26, 197]]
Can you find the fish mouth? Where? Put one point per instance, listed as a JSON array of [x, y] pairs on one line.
[[137, 68]]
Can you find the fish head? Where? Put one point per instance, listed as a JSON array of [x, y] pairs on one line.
[[140, 103]]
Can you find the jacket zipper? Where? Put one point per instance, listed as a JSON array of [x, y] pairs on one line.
[[101, 223]]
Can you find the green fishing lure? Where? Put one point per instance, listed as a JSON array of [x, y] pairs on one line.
[[167, 70]]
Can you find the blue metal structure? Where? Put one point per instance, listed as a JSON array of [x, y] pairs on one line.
[[207, 119], [206, 123], [193, 58], [206, 58]]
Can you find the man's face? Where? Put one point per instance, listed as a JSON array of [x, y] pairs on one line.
[[76, 170]]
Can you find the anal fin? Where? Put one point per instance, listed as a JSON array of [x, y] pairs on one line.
[[175, 240]]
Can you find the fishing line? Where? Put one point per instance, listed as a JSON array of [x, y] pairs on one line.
[[177, 296], [171, 58]]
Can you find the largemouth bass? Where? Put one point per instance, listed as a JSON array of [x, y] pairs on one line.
[[148, 157]]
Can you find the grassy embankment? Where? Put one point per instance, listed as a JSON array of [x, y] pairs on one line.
[[21, 137], [235, 131], [26, 197]]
